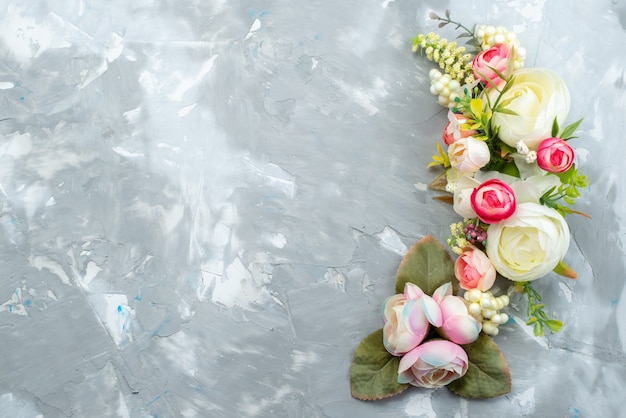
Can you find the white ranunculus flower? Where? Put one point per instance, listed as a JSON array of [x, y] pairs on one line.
[[532, 188], [462, 204], [529, 244], [539, 95]]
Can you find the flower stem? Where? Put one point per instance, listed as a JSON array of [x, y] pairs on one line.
[[536, 316], [447, 20]]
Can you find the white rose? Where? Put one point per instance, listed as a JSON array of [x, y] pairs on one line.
[[462, 204], [538, 96], [529, 244], [468, 154], [531, 189]]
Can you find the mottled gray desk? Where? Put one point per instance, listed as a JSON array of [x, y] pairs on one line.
[[203, 204]]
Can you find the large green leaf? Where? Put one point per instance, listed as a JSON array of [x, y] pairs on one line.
[[374, 372], [428, 265], [488, 373]]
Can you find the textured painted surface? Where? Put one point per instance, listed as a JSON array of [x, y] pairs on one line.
[[203, 204]]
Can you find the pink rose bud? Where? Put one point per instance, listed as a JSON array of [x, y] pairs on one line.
[[474, 270], [433, 364], [495, 57], [555, 155], [407, 319], [493, 201], [457, 324], [454, 129]]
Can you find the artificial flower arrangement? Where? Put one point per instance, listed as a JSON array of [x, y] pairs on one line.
[[510, 174]]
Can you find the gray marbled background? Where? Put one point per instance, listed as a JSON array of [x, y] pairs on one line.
[[203, 205]]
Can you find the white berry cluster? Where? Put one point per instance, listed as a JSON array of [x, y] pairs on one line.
[[489, 36], [522, 149], [486, 307], [444, 87]]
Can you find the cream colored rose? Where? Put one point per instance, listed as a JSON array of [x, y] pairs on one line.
[[538, 96], [469, 154], [528, 245]]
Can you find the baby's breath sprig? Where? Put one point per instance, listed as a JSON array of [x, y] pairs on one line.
[[452, 59], [536, 316], [467, 232]]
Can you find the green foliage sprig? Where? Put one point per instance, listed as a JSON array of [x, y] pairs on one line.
[[535, 313]]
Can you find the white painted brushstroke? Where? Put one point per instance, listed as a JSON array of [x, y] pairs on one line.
[[525, 402], [115, 314], [18, 407], [150, 82], [462, 411], [89, 76], [42, 262], [256, 25], [126, 153], [420, 405], [114, 50], [16, 145], [274, 176], [132, 116], [278, 240], [187, 84], [252, 407], [530, 10], [122, 409], [422, 187], [5, 85], [26, 38], [391, 241], [91, 272], [229, 289], [336, 278], [300, 359], [185, 110], [15, 304], [567, 292]]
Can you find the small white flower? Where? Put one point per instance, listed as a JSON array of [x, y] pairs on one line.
[[450, 187], [522, 148], [531, 157]]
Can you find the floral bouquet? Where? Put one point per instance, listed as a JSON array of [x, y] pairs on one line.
[[509, 173]]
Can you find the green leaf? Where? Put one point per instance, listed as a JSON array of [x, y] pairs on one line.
[[374, 372], [506, 111], [570, 129], [498, 73], [555, 128], [554, 325], [488, 373], [428, 265]]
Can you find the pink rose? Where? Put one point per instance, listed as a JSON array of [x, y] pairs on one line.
[[474, 270], [495, 57], [493, 201], [555, 155], [454, 129], [407, 319], [433, 364], [457, 325], [468, 155]]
